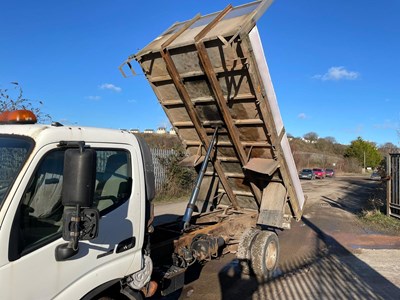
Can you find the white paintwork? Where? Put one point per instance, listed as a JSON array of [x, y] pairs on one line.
[[38, 275], [276, 115]]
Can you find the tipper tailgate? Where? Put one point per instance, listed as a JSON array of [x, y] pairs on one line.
[[210, 72]]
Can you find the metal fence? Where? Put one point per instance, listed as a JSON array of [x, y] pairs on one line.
[[393, 185], [160, 173]]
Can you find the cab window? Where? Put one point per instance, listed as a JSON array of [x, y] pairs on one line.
[[113, 180], [40, 216]]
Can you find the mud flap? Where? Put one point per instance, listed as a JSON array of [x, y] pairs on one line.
[[272, 205], [173, 280]]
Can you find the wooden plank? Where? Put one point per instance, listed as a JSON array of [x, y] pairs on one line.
[[229, 144], [219, 96], [191, 74], [228, 159], [234, 175], [227, 174], [172, 70], [210, 123], [248, 122], [239, 193], [200, 100]]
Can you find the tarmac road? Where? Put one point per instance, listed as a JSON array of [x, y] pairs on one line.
[[326, 255]]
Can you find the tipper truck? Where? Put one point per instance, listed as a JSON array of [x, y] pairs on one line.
[[76, 211]]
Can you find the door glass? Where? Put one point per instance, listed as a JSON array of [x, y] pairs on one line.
[[42, 209], [113, 180]]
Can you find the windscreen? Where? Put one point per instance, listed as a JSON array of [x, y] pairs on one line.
[[13, 154]]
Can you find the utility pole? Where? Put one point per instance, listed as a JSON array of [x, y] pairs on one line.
[[364, 170]]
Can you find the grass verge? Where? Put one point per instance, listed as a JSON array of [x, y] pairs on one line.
[[373, 215], [376, 220], [162, 198]]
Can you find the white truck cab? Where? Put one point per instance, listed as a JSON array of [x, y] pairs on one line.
[[35, 261]]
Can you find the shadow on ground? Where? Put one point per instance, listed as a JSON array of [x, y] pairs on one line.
[[313, 263], [331, 272]]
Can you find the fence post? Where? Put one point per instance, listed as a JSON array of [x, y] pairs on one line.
[[388, 184]]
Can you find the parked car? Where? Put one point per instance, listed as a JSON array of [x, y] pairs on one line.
[[375, 176], [329, 173], [306, 174], [319, 173]]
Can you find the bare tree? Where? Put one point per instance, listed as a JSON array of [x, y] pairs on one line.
[[13, 99], [388, 148], [330, 139], [311, 136]]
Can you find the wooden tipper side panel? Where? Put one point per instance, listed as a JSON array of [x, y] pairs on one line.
[[203, 76]]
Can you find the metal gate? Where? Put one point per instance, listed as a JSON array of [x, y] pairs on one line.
[[393, 185], [160, 172]]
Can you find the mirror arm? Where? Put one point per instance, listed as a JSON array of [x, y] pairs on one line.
[[76, 221]]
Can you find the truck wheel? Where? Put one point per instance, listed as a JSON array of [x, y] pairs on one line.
[[264, 254], [243, 251]]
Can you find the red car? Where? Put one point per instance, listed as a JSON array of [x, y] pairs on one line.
[[319, 173], [330, 173]]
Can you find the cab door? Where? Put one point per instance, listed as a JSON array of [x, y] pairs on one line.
[[36, 229]]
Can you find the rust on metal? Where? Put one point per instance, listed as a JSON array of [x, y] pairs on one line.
[[262, 166], [229, 226]]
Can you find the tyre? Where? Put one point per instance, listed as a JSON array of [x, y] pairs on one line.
[[243, 252], [264, 254]]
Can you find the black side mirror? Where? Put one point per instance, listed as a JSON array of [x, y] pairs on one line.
[[79, 177], [80, 220]]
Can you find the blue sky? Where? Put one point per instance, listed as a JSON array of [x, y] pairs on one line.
[[334, 64]]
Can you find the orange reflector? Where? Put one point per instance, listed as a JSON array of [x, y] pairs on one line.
[[22, 116], [150, 289]]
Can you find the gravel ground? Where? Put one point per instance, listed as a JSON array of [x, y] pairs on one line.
[[329, 254]]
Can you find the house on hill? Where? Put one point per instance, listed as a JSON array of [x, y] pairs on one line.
[[161, 130], [172, 131]]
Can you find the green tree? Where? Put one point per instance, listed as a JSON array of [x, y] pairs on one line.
[[364, 151], [13, 99]]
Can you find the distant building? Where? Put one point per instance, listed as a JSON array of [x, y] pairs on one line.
[[161, 130], [309, 141], [172, 131]]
